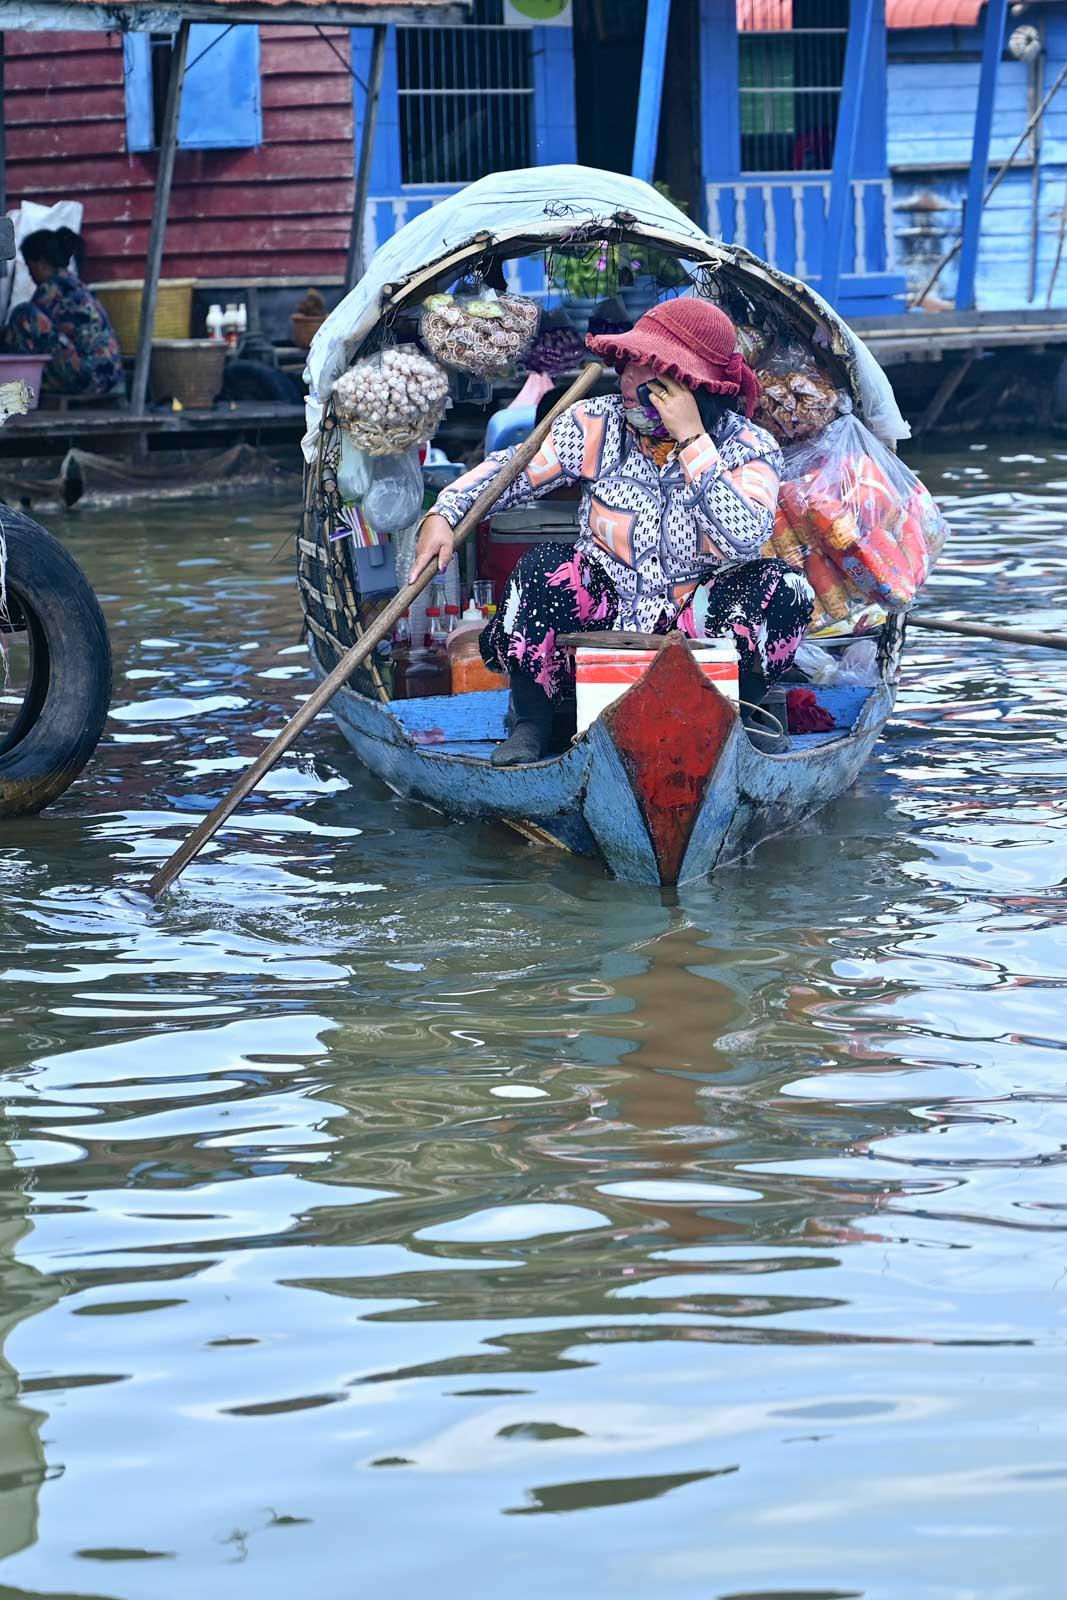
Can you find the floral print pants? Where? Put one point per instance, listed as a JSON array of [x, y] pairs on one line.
[[558, 589], [95, 369]]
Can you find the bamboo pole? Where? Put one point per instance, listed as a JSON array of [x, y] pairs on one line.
[[377, 631], [3, 129], [355, 264], [981, 630], [168, 145]]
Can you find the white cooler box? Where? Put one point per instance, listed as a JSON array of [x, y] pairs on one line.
[[602, 675]]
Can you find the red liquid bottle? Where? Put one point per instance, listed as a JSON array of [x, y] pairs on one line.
[[428, 671]]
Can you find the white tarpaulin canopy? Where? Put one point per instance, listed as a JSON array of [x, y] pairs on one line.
[[550, 203]]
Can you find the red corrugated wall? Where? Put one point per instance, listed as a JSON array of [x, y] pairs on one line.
[[281, 210]]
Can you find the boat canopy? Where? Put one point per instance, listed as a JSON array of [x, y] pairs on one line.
[[545, 206]]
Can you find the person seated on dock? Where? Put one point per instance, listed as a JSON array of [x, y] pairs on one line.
[[679, 489], [64, 321]]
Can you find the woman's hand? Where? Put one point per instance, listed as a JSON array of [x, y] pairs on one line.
[[435, 544], [677, 407]]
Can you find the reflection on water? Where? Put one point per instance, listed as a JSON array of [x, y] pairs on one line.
[[403, 1205]]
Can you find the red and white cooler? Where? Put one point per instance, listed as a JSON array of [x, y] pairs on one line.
[[505, 538], [602, 674]]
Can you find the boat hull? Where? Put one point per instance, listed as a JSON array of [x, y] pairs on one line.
[[664, 787]]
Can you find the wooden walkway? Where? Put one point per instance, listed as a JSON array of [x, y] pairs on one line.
[[94, 428], [931, 336]]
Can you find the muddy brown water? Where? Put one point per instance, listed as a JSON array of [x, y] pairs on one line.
[[402, 1208]]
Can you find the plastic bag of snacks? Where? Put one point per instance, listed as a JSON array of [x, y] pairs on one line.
[[484, 335], [392, 400], [393, 500], [798, 399], [864, 527], [839, 605]]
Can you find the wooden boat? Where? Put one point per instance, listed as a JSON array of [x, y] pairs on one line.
[[665, 785]]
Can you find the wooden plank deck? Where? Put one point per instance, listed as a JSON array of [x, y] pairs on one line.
[[94, 426], [930, 336]]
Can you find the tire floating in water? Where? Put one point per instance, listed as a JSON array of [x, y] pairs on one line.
[[68, 688]]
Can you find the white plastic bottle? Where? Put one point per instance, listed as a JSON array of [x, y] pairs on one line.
[[214, 321]]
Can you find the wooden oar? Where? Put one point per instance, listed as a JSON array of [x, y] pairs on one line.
[[981, 630], [373, 635]]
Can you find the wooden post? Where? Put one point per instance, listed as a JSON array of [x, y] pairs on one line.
[[355, 265], [3, 134], [650, 97], [857, 52], [161, 205], [1033, 100], [992, 50], [946, 389]]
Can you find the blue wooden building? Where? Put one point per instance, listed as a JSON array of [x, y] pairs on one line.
[[838, 139], [735, 102], [934, 72]]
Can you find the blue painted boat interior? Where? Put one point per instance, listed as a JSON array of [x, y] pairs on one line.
[[471, 725], [459, 718]]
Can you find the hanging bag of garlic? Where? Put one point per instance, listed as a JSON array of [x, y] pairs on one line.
[[391, 401]]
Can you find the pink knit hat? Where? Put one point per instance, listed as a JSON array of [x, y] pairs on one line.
[[688, 339]]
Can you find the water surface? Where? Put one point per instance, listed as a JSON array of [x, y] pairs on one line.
[[400, 1208]]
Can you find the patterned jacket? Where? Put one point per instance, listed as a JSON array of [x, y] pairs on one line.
[[656, 531]]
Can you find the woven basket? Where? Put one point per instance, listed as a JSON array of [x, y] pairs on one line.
[[122, 302], [187, 370], [305, 328]]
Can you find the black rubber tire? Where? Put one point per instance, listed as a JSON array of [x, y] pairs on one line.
[[69, 689]]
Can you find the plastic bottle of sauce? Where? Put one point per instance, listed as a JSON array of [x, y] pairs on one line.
[[428, 672], [469, 671]]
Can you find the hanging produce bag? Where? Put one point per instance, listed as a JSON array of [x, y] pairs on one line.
[[557, 348], [390, 401], [482, 334], [354, 471], [858, 520]]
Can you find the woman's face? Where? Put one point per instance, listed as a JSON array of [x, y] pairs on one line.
[[634, 374], [40, 271]]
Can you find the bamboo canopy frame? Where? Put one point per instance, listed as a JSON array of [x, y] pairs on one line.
[[508, 215]]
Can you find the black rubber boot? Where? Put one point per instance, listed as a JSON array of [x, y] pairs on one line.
[[754, 689], [532, 727]]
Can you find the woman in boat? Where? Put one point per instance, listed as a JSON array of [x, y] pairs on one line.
[[64, 321], [679, 490]]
